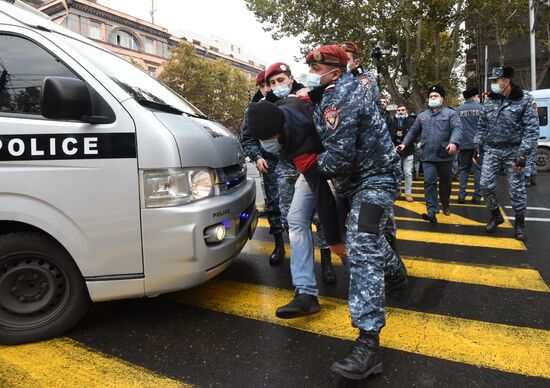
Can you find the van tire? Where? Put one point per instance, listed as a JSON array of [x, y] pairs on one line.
[[42, 292], [543, 159]]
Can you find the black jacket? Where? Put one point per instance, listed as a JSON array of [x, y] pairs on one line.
[[404, 126]]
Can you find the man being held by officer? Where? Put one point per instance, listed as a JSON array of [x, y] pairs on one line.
[[508, 129]]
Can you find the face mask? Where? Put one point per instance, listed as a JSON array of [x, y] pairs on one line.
[[314, 80], [281, 91], [434, 103], [400, 116], [496, 88], [272, 146]]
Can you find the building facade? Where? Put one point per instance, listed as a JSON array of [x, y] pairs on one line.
[[143, 43]]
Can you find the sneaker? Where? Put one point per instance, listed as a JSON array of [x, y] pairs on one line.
[[301, 305], [409, 198]]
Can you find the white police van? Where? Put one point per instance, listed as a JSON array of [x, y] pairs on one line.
[[111, 185], [542, 99]]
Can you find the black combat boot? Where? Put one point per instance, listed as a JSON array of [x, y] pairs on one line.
[[329, 275], [520, 227], [278, 254], [496, 220], [301, 305], [430, 216], [362, 360], [397, 280]]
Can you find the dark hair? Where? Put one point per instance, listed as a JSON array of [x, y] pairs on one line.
[[402, 105], [355, 56]]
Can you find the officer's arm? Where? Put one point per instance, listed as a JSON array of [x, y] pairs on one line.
[[250, 144], [456, 128], [530, 125], [341, 140], [413, 132], [481, 131]]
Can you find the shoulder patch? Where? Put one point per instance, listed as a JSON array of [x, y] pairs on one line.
[[332, 117]]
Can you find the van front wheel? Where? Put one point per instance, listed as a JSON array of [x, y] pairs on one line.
[[42, 293]]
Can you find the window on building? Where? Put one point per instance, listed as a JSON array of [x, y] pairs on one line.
[[124, 39], [160, 51], [95, 30], [23, 67], [232, 48], [197, 42], [149, 45], [152, 71], [239, 50]]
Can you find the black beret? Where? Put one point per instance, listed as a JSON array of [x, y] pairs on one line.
[[265, 120], [437, 89], [469, 93]]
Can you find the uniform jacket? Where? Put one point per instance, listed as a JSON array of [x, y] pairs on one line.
[[252, 146], [509, 122], [469, 113], [359, 152], [436, 131], [403, 126], [368, 80]]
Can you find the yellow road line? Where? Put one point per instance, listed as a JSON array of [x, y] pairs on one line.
[[460, 239], [507, 348], [451, 204], [421, 267], [65, 363]]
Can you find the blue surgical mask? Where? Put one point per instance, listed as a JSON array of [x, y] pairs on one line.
[[314, 80], [281, 91], [434, 103], [496, 88], [272, 146]]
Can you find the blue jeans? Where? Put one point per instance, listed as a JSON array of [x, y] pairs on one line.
[[432, 171], [300, 216]]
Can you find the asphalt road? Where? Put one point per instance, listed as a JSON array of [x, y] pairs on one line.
[[476, 313]]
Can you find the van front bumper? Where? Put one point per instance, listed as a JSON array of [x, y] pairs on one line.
[[176, 255]]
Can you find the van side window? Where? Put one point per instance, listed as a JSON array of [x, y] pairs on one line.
[[543, 116], [23, 67]]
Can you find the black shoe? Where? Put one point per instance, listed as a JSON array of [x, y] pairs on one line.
[[519, 227], [301, 305], [396, 281], [278, 254], [447, 210], [362, 360], [527, 181], [390, 238], [495, 221], [430, 216], [461, 200], [476, 201], [329, 275]]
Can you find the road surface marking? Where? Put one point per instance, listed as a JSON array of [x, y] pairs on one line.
[[502, 347], [460, 239], [421, 267], [63, 362]]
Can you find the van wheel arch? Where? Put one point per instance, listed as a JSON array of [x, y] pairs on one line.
[[543, 158]]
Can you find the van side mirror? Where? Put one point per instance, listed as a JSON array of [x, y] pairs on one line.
[[64, 98]]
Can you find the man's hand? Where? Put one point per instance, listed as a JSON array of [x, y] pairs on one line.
[[399, 133], [339, 249], [451, 149], [302, 92], [400, 148], [476, 156], [261, 165], [519, 163]]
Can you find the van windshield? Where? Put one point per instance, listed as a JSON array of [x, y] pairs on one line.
[[140, 86]]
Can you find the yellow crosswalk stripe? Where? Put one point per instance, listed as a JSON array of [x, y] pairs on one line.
[[421, 267], [65, 363], [419, 208], [460, 239], [446, 238], [502, 347]]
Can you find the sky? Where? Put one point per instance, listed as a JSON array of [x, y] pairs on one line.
[[228, 19]]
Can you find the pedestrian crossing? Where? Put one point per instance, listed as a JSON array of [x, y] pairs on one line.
[[415, 331]]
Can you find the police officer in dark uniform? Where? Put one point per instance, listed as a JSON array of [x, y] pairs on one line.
[[266, 163], [508, 129], [361, 161]]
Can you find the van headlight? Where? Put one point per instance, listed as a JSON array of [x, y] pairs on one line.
[[173, 187]]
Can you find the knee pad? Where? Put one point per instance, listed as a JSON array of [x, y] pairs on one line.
[[369, 218]]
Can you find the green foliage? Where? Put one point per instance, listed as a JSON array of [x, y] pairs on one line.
[[215, 87]]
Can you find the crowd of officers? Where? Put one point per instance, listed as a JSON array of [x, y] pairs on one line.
[[335, 135]]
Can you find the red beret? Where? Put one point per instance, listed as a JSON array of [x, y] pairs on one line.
[[276, 68], [350, 47], [331, 55], [260, 79]]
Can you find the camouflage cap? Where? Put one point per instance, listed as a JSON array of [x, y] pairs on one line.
[[502, 72]]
